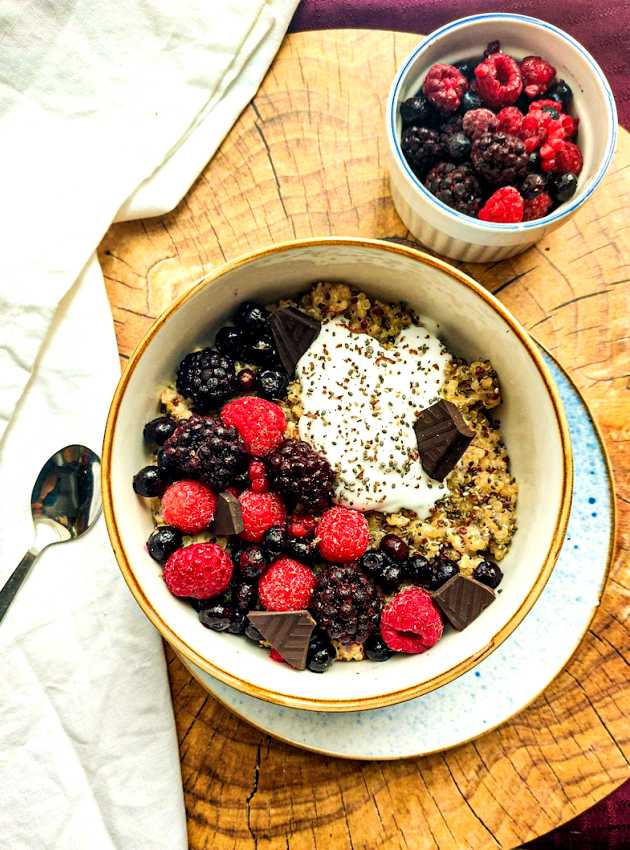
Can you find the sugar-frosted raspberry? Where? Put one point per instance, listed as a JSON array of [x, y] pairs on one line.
[[479, 121], [499, 80], [533, 129], [343, 535], [189, 506], [286, 586], [536, 207], [510, 119], [199, 571], [410, 622], [444, 86], [257, 473], [260, 423], [561, 157], [505, 205], [537, 75], [261, 511], [301, 525], [545, 103]]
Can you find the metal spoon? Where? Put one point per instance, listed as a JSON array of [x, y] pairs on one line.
[[65, 503]]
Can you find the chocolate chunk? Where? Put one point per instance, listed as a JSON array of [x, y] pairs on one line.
[[462, 599], [228, 517], [293, 332], [289, 633], [443, 437]]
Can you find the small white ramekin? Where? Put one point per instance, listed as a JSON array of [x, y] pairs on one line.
[[443, 229]]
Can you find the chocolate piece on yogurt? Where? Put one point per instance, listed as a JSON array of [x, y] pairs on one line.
[[462, 600], [288, 632], [293, 332], [228, 517], [443, 437]]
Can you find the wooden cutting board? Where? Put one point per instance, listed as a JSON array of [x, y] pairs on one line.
[[307, 157]]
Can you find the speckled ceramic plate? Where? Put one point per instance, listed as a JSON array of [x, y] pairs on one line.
[[506, 681]]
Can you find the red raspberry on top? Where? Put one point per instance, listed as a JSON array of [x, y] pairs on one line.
[[505, 205], [189, 506], [343, 535], [410, 622], [286, 586], [260, 423], [536, 207], [537, 74], [257, 473], [201, 571], [444, 86], [510, 120], [561, 157], [499, 80], [533, 130], [261, 511], [301, 525]]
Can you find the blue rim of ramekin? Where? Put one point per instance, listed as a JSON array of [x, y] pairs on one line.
[[493, 226]]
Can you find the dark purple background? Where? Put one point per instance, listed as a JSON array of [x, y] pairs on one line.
[[603, 27]]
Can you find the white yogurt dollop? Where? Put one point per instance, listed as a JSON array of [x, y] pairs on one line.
[[360, 403]]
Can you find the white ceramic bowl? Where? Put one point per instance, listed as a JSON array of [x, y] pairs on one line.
[[473, 324], [443, 229]]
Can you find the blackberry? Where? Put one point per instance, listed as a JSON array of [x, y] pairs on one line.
[[207, 378], [456, 186], [301, 475], [216, 616], [163, 541], [274, 542], [422, 148], [488, 573], [273, 384], [206, 450], [470, 100], [252, 318], [500, 158], [149, 482], [231, 342], [416, 111], [247, 380], [533, 185], [563, 186], [560, 91], [395, 547], [346, 604], [321, 652], [376, 649], [492, 47], [157, 431]]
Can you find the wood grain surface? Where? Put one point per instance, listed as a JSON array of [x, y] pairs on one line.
[[308, 157]]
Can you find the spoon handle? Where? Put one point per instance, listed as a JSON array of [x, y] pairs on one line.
[[15, 581]]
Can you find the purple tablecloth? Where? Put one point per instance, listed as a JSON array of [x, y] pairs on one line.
[[604, 29]]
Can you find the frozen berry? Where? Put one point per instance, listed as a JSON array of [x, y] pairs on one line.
[[252, 562], [301, 550], [467, 67], [563, 186], [487, 572], [421, 147], [252, 633], [346, 604], [162, 542], [231, 341], [416, 111], [418, 569], [395, 547], [562, 92], [536, 207], [261, 511], [372, 562], [470, 101], [441, 569], [274, 542], [537, 75], [533, 185], [207, 378], [492, 47], [262, 351], [568, 159], [301, 525], [499, 80], [410, 622], [510, 120], [238, 623], [456, 186], [260, 423], [257, 473], [201, 570], [479, 121], [216, 616], [499, 158], [343, 535], [376, 649], [389, 575], [505, 205], [149, 482], [458, 146], [302, 475], [273, 383], [189, 506], [533, 163], [444, 86], [321, 652], [157, 431], [247, 380], [244, 596], [286, 586], [252, 318]]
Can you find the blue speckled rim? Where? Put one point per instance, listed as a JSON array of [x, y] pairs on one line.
[[559, 214]]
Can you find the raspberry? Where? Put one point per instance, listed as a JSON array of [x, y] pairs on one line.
[[286, 586], [456, 186], [346, 604], [421, 147], [301, 525], [260, 423], [500, 158], [537, 75], [536, 207], [561, 157], [444, 86], [410, 622], [479, 121], [343, 535], [275, 656], [199, 571], [499, 80], [189, 506], [260, 512], [510, 120], [207, 378], [302, 475], [505, 205], [258, 476]]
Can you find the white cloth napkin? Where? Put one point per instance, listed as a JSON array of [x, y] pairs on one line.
[[106, 110]]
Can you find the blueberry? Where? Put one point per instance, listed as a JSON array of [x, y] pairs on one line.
[[252, 633], [231, 342], [321, 652], [533, 162], [553, 112], [390, 576], [488, 573], [274, 542], [247, 380], [241, 481], [418, 568], [262, 351], [458, 146], [441, 570], [157, 431], [149, 482], [163, 541], [253, 318], [252, 562], [302, 550], [533, 185], [238, 623], [244, 596], [273, 384], [376, 649], [416, 111], [467, 67], [395, 547], [563, 187], [216, 616], [562, 92], [470, 100], [373, 562]]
